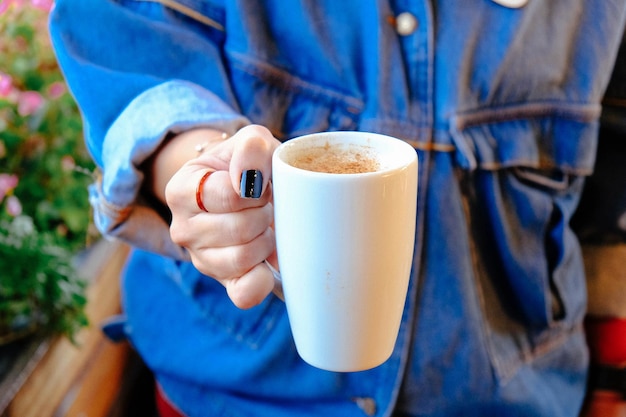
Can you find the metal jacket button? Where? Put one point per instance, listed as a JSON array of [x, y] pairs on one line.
[[513, 4], [406, 24]]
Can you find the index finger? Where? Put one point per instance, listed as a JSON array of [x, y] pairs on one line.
[[251, 162]]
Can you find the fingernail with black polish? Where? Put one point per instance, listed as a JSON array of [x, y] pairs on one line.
[[251, 183]]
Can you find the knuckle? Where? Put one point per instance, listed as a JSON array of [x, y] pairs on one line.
[[256, 131], [173, 192], [242, 260], [250, 289], [242, 299], [177, 233]]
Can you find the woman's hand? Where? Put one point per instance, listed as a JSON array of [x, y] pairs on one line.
[[231, 239]]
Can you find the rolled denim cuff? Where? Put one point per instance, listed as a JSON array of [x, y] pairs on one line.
[[172, 107], [606, 279]]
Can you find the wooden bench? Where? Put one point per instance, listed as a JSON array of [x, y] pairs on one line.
[[87, 379]]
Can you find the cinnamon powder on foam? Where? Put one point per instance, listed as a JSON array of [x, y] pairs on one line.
[[335, 161]]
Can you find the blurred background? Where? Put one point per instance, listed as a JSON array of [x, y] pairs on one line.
[[58, 280]]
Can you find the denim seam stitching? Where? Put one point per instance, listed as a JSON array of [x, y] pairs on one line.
[[586, 113], [280, 78], [189, 12]]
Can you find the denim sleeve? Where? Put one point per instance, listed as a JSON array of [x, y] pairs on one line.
[[138, 72], [601, 218]]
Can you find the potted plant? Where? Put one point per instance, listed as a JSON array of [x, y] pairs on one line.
[[44, 213]]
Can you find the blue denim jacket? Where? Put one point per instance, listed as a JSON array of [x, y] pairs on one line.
[[503, 107]]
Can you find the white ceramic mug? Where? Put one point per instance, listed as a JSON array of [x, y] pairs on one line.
[[345, 248]]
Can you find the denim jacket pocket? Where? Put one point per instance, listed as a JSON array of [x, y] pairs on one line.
[[288, 105], [524, 170], [249, 327], [183, 323]]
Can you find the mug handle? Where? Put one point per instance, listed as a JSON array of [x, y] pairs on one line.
[[278, 284]]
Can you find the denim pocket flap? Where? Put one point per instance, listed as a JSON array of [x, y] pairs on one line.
[[537, 136]]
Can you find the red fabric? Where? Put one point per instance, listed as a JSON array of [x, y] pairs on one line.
[[604, 404], [164, 407], [607, 340]]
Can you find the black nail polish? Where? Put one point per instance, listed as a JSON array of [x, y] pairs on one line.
[[251, 183]]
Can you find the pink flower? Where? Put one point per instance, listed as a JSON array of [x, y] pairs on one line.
[[67, 163], [8, 182], [14, 207], [45, 5], [4, 5], [62, 230], [6, 82], [56, 90], [29, 102]]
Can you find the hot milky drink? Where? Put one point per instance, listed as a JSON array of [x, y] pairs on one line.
[[333, 160]]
